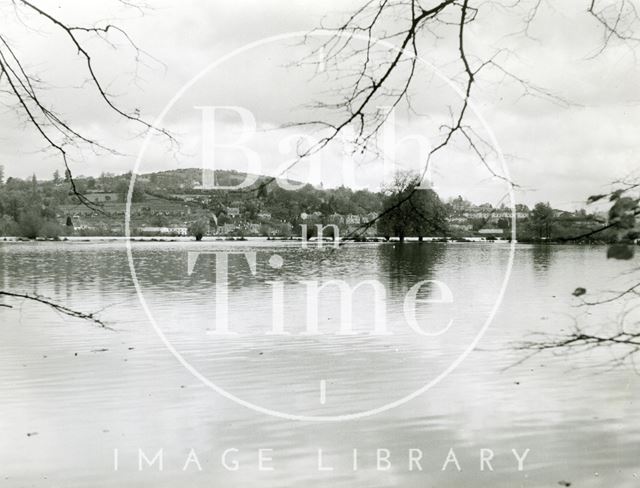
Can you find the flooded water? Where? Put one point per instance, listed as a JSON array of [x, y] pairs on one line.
[[386, 392]]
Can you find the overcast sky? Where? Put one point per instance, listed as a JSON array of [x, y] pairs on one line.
[[560, 151]]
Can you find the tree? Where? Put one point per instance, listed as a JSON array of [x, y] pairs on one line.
[[56, 177], [504, 224], [541, 220], [198, 229], [14, 206], [31, 223], [8, 226], [409, 210]]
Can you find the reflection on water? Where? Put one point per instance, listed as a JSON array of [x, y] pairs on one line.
[[406, 265], [542, 256], [81, 392]]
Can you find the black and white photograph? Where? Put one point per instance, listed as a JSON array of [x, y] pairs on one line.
[[356, 243]]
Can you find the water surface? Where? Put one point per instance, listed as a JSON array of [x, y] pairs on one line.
[[82, 391]]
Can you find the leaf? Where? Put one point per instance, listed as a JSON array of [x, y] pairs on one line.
[[595, 198], [620, 251], [579, 291]]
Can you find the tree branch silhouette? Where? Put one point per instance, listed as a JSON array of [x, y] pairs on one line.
[[23, 88]]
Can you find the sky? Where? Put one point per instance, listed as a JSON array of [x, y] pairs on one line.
[[564, 135]]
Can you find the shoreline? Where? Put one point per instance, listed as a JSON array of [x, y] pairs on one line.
[[312, 241]]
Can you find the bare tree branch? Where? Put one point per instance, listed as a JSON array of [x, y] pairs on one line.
[[24, 87], [56, 306]]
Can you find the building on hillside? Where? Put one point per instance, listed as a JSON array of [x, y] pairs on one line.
[[352, 219], [233, 212], [478, 213], [226, 229], [181, 231], [491, 215], [172, 231], [457, 220], [507, 214]]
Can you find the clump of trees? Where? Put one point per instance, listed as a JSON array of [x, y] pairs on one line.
[[617, 227], [410, 210], [541, 221], [198, 229], [28, 208]]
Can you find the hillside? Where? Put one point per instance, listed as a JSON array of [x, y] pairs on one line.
[[169, 202]]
